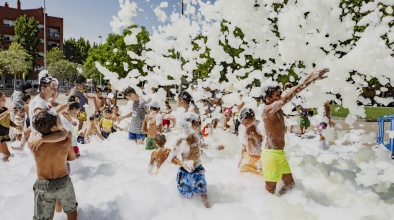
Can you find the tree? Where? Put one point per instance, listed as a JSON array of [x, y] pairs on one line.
[[15, 60], [76, 51], [54, 55], [59, 67], [26, 34]]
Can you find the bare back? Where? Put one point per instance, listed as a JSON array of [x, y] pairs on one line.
[[159, 156], [275, 129], [51, 159]]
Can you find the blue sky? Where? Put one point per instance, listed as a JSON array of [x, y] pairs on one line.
[[91, 18]]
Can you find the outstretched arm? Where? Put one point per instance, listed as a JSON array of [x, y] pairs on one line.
[[99, 134], [310, 78], [120, 118], [50, 138]]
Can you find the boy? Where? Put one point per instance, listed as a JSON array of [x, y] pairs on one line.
[[304, 120], [106, 123], [53, 182], [26, 98], [85, 135], [140, 108], [251, 139], [160, 155], [19, 120], [323, 125], [152, 125], [191, 174], [273, 159], [99, 101], [79, 91]]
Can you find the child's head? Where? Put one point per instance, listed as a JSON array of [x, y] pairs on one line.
[[160, 140], [19, 111], [247, 117], [81, 82], [73, 108], [99, 93], [107, 112], [130, 94], [270, 93], [45, 122], [94, 119], [155, 105], [77, 99], [115, 109], [71, 98], [167, 103], [2, 100], [190, 123], [26, 98], [288, 85]]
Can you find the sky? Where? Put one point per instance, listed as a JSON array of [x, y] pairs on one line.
[[91, 18]]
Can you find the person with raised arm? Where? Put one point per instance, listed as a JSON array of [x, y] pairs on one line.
[[273, 160]]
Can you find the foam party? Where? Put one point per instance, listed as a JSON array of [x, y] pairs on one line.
[[202, 168]]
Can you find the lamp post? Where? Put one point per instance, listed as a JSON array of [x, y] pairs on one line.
[[180, 56], [45, 38], [101, 43]]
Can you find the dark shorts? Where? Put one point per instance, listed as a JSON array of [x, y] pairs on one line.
[[134, 136], [190, 183], [46, 192], [237, 124], [27, 122], [105, 134], [81, 140]]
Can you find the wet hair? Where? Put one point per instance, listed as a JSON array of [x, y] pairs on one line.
[[73, 105], [269, 92], [154, 108], [167, 103], [80, 79], [107, 110], [160, 139], [92, 117], [246, 113], [24, 86], [18, 108], [71, 98], [44, 121], [99, 90], [129, 91], [26, 97], [115, 106], [184, 95]]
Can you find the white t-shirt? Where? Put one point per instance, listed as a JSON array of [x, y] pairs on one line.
[[67, 124], [36, 102]]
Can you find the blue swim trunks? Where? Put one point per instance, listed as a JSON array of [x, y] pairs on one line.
[[190, 183]]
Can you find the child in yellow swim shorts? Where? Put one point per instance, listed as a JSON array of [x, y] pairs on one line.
[[274, 164]]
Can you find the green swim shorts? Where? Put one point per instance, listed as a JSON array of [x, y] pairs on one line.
[[47, 191], [304, 122], [274, 164], [150, 144]]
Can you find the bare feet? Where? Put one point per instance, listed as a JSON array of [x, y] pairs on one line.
[[285, 188], [204, 198]]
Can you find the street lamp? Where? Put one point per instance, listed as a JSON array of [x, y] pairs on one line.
[[101, 42], [180, 56]]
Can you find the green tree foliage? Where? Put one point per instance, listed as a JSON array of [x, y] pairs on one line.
[[26, 34], [113, 54], [76, 51], [15, 60], [59, 67]]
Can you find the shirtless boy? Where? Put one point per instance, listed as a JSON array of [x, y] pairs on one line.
[[99, 101], [251, 139], [85, 135], [159, 155], [53, 182], [273, 159], [191, 174], [152, 124]]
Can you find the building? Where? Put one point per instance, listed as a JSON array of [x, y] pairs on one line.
[[54, 38]]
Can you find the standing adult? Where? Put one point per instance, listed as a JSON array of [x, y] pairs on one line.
[[21, 90], [140, 108], [79, 91]]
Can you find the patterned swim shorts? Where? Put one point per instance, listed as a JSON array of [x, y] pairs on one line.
[[190, 183]]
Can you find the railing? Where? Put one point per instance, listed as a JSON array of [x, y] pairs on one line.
[[54, 35]]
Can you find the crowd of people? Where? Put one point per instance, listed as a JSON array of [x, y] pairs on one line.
[[55, 132]]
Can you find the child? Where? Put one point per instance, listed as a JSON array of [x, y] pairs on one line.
[[85, 135], [273, 160], [106, 123], [251, 140], [71, 114], [304, 121], [5, 124], [191, 174], [167, 122], [228, 114], [323, 125], [159, 155], [115, 115], [26, 98], [19, 120], [152, 124], [99, 101], [53, 182]]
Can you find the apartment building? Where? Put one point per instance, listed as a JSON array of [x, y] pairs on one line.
[[54, 38]]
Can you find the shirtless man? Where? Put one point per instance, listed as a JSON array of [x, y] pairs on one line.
[[99, 101], [159, 155], [191, 174], [273, 159], [53, 182], [251, 139]]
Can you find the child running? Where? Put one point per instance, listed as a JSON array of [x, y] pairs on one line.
[[251, 140], [106, 123], [273, 159], [159, 155], [5, 124], [191, 174], [152, 124], [53, 182]]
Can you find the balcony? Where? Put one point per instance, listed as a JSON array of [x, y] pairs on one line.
[[54, 35]]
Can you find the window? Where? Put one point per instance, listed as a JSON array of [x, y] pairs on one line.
[[8, 37], [40, 27], [8, 23]]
